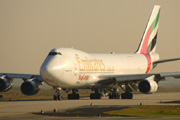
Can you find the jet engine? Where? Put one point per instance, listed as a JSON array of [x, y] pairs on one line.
[[5, 84], [29, 87], [148, 86]]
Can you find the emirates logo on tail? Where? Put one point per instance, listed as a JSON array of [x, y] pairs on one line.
[[148, 42]]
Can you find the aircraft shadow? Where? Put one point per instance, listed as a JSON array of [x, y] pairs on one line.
[[171, 102]]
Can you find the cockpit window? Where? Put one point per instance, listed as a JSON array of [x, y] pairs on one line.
[[55, 53]]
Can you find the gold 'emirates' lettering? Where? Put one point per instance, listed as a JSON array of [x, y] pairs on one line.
[[90, 64]]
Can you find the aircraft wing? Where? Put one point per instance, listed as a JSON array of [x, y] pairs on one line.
[[104, 79], [22, 76]]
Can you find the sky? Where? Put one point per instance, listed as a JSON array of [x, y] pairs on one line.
[[29, 29]]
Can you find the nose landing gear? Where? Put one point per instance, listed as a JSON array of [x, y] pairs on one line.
[[57, 95]]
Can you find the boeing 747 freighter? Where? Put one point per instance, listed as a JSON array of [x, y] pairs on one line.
[[70, 69]]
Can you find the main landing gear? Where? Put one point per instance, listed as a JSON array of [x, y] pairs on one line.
[[128, 91], [74, 95], [126, 95], [114, 94], [57, 95], [95, 95], [127, 88]]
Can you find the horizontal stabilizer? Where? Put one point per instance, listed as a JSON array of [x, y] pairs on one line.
[[166, 60]]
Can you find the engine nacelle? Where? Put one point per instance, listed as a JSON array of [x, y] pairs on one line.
[[29, 88], [148, 86], [5, 84]]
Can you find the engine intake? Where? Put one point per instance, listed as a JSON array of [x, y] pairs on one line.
[[5, 84], [148, 86], [29, 88]]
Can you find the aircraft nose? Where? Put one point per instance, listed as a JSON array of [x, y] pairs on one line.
[[50, 70], [46, 71]]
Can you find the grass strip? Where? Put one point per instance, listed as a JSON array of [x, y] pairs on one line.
[[147, 111]]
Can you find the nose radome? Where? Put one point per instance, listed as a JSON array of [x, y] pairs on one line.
[[47, 74], [51, 69], [46, 71]]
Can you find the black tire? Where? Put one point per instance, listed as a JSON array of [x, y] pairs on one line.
[[95, 96], [76, 96], [55, 97], [117, 96], [129, 95], [110, 96], [92, 96], [70, 97], [123, 96], [59, 97], [98, 96], [73, 96]]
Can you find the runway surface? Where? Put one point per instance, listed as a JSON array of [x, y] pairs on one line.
[[20, 110]]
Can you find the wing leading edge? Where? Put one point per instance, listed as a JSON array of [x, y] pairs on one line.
[[22, 76]]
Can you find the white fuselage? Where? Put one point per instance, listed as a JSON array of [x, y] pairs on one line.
[[76, 69]]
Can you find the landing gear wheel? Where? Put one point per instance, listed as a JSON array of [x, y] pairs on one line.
[[73, 96], [57, 95], [129, 95], [98, 96], [114, 96], [95, 96], [126, 95], [110, 96], [123, 96], [92, 96], [55, 98]]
